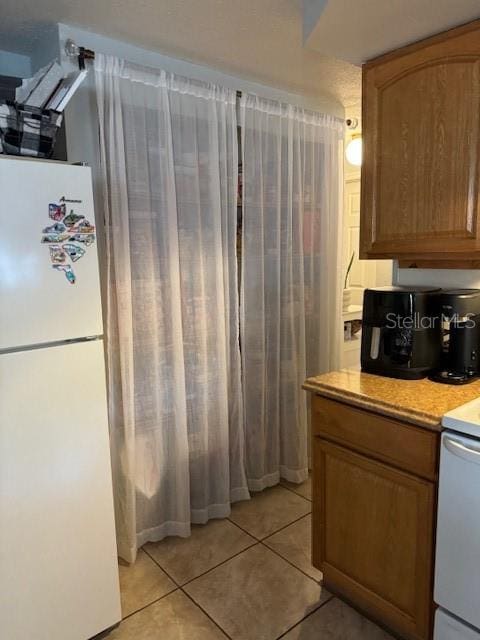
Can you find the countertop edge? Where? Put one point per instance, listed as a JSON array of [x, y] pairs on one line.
[[374, 405]]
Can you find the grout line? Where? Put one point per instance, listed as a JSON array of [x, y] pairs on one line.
[[273, 532], [257, 541], [244, 530], [206, 613], [149, 604], [291, 564], [239, 553], [309, 513], [160, 566], [253, 544], [295, 492], [285, 526], [262, 542], [310, 613], [179, 587]]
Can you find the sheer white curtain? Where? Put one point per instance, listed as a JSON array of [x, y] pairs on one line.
[[169, 161], [291, 278]]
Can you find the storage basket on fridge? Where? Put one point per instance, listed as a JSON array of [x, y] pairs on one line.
[[28, 131]]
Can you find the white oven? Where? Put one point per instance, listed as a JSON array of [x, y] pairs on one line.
[[457, 568]]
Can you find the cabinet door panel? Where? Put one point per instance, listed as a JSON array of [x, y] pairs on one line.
[[373, 536], [420, 177], [427, 153]]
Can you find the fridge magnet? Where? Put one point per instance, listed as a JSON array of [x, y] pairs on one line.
[[54, 238], [73, 251], [85, 227], [72, 219], [57, 254], [86, 238], [68, 237], [68, 271], [58, 227], [57, 211]]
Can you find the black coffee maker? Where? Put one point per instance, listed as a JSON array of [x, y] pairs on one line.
[[460, 336], [401, 332]]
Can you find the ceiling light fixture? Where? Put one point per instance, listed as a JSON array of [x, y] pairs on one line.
[[353, 151]]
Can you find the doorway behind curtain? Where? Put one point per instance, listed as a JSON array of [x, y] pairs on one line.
[[169, 160], [291, 278], [188, 425]]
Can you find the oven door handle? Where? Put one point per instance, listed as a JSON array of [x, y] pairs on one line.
[[472, 454]]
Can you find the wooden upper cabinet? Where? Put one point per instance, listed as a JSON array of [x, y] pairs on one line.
[[421, 132]]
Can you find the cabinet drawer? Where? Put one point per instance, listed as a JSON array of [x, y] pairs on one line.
[[405, 446]]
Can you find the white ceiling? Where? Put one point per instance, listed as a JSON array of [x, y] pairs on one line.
[[357, 30], [260, 40]]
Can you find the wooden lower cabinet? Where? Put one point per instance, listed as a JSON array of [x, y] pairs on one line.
[[373, 537]]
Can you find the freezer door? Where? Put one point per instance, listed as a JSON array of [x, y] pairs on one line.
[[38, 302], [58, 559], [457, 575]]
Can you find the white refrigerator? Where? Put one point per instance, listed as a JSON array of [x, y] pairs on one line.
[[58, 557]]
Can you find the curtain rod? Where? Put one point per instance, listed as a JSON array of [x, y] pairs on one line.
[[82, 53], [74, 51]]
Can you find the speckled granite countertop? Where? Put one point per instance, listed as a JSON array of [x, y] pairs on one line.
[[420, 402]]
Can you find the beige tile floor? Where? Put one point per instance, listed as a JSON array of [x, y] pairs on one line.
[[245, 578]]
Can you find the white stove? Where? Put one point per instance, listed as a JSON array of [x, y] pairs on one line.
[[457, 568]]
